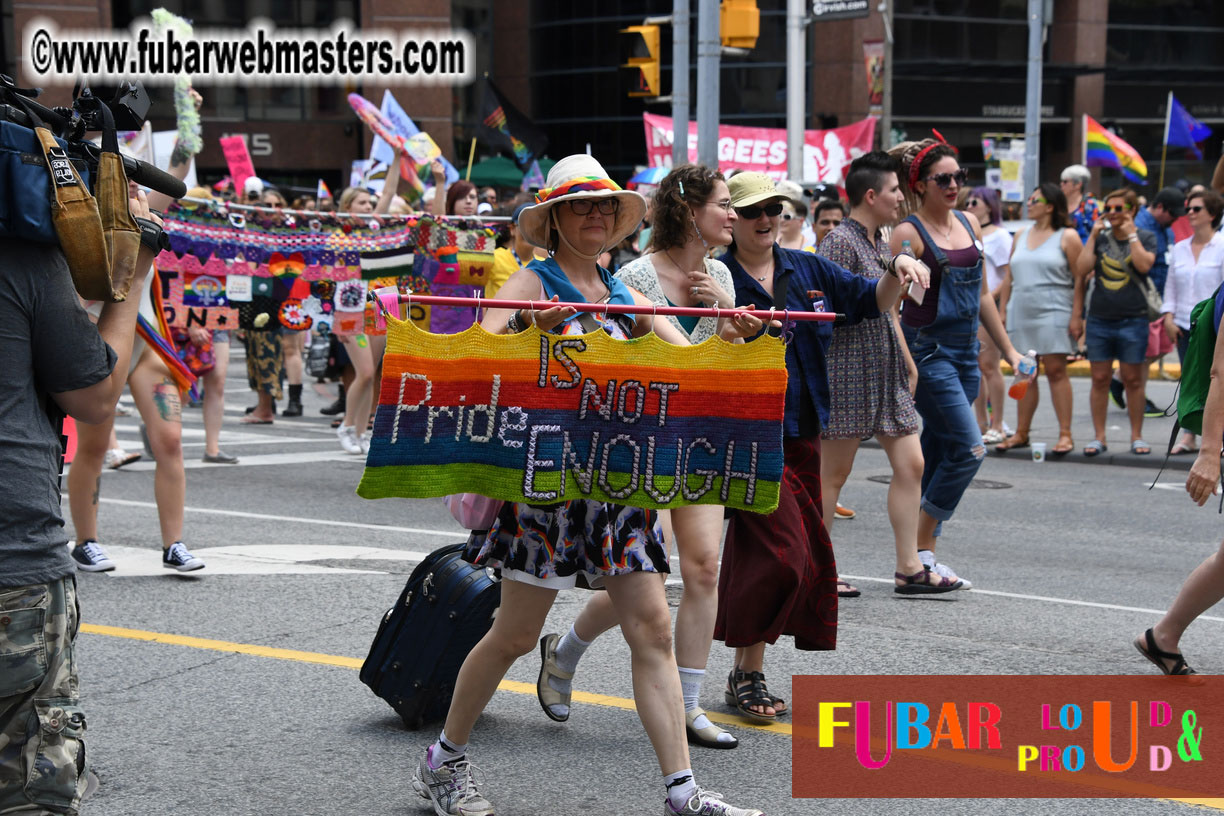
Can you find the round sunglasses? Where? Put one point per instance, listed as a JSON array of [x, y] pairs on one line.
[[944, 180]]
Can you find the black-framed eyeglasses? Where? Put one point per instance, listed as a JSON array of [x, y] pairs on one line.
[[944, 180], [754, 211], [582, 206], [1121, 208], [1196, 208]]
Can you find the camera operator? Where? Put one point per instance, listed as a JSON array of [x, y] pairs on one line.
[[57, 363]]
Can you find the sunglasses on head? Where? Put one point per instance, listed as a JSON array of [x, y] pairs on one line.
[[944, 180], [754, 211], [1120, 208], [582, 206], [1196, 208]]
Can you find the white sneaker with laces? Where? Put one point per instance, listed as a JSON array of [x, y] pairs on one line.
[[348, 439], [708, 803], [928, 559], [451, 788]]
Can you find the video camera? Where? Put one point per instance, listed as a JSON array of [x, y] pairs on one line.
[[128, 108]]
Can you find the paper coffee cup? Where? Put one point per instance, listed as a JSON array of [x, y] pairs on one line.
[[1039, 451]]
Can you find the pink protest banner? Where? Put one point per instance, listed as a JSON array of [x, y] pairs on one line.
[[238, 160], [826, 153]]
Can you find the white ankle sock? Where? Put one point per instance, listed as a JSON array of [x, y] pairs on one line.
[[445, 750], [570, 649], [680, 787], [690, 685]]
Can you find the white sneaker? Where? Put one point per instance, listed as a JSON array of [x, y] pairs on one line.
[[348, 439], [928, 559], [708, 803], [451, 788], [364, 441]]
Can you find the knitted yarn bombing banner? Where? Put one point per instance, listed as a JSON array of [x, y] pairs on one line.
[[543, 418], [280, 255]]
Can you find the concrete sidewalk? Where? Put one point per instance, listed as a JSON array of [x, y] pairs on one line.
[[1117, 429]]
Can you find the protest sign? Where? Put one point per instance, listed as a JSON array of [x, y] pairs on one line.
[[544, 418]]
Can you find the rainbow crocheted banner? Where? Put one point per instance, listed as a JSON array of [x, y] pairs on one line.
[[544, 418]]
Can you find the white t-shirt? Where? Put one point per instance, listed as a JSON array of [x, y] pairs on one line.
[[997, 247]]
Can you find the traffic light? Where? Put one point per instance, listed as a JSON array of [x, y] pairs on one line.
[[642, 47], [739, 23]]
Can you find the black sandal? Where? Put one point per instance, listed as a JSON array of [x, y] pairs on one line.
[[777, 703], [747, 689], [1148, 648]]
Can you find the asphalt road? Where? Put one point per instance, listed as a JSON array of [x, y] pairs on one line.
[[252, 705]]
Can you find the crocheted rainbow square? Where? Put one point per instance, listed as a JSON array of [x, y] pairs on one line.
[[543, 418]]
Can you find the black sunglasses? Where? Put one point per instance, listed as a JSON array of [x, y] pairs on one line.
[[754, 212], [944, 180], [1196, 208], [1118, 209]]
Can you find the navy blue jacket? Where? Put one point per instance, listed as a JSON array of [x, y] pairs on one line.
[[816, 285]]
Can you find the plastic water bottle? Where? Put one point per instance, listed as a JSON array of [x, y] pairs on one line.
[[1026, 372]]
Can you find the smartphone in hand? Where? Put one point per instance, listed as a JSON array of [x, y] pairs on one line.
[[916, 292]]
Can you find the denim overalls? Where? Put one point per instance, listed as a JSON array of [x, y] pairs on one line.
[[946, 354]]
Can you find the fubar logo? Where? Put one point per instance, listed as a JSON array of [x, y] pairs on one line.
[[1031, 737]]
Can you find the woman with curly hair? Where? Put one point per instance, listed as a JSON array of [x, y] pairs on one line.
[[692, 215], [941, 331]]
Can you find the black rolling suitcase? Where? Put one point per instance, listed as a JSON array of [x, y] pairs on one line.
[[444, 611]]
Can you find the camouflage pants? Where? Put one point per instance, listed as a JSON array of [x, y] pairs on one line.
[[42, 751]]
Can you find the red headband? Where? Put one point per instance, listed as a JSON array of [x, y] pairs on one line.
[[915, 167]]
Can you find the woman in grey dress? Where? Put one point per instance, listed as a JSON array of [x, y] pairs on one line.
[[1040, 297]]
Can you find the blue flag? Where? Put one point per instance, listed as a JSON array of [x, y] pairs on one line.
[[1184, 130], [382, 152]]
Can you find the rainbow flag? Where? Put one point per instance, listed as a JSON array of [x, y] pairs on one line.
[[545, 418], [1103, 148], [322, 191]]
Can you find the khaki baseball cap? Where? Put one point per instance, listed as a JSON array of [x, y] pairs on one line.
[[751, 188]]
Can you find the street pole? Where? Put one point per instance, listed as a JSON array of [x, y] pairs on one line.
[[795, 86], [709, 48], [886, 8], [680, 81], [1032, 96]]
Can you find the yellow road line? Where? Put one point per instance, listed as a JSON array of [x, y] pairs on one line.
[[512, 686], [321, 659]]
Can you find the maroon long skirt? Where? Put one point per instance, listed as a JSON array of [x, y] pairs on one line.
[[778, 575]]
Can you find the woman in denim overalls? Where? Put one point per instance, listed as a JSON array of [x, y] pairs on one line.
[[942, 334]]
